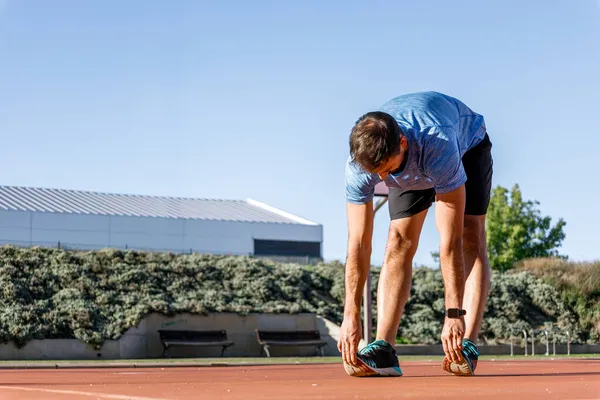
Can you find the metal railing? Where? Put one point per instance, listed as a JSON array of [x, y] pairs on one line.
[[531, 335]]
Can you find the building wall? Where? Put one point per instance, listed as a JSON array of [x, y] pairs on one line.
[[80, 231]]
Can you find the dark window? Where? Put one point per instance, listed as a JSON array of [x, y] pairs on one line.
[[286, 248]]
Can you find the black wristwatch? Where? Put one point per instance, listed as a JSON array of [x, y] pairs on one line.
[[455, 312]]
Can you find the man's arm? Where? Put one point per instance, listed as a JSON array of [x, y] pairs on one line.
[[360, 231], [450, 210], [450, 221]]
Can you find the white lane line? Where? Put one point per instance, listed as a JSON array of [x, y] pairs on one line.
[[131, 373], [76, 392]]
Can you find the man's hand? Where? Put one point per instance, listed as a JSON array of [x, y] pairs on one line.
[[452, 337], [350, 335]]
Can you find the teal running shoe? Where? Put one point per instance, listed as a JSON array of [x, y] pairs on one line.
[[376, 359], [467, 366]]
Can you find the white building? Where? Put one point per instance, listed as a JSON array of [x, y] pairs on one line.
[[93, 220]]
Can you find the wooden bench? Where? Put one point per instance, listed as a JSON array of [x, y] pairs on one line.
[[170, 338], [289, 338]]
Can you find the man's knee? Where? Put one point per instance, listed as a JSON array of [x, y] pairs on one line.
[[474, 239], [403, 237], [399, 245]]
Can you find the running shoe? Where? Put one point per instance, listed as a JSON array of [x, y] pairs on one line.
[[376, 359], [468, 364]]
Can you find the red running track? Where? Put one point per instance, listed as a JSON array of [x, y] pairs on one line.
[[514, 380]]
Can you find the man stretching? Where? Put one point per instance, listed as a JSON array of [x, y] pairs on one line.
[[427, 147]]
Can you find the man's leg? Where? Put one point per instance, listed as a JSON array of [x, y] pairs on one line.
[[396, 274], [477, 273], [478, 164]]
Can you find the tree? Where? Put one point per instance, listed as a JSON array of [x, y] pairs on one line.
[[516, 230], [436, 257]]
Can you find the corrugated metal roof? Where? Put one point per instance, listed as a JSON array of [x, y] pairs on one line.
[[19, 198]]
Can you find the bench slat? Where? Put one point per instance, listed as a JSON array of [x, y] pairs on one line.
[[289, 335], [179, 337], [193, 336], [293, 343], [186, 343], [289, 338]]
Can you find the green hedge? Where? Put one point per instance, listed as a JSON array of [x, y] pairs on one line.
[[579, 286], [97, 295], [517, 301]]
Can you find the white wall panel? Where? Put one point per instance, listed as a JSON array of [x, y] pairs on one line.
[[74, 237], [195, 227], [15, 219], [95, 231], [231, 244], [15, 234], [287, 232], [146, 240], [70, 222], [165, 226], [257, 230]]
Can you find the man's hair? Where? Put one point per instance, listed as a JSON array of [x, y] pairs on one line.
[[374, 139]]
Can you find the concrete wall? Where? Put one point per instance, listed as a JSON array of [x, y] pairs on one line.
[[143, 341], [82, 231], [59, 349]]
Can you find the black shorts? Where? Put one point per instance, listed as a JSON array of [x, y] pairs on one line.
[[478, 165]]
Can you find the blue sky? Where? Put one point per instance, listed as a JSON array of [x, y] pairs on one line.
[[238, 99]]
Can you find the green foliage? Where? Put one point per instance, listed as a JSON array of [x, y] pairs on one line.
[[520, 301], [424, 312], [517, 301], [97, 296], [579, 287], [517, 231]]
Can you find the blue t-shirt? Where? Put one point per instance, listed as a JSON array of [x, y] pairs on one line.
[[439, 130]]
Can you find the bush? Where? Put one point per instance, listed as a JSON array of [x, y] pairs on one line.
[[95, 296], [517, 301], [579, 286]]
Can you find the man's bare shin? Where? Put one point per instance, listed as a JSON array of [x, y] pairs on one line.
[[478, 275], [396, 274], [393, 292]]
